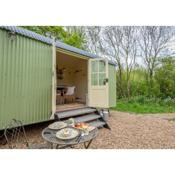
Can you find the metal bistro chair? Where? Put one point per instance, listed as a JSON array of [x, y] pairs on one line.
[[15, 134]]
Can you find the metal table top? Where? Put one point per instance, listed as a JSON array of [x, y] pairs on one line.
[[50, 136]]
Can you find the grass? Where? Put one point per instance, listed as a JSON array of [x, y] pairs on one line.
[[144, 107]]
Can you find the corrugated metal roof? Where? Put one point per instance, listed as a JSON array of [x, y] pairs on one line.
[[48, 40], [74, 49], [28, 33]]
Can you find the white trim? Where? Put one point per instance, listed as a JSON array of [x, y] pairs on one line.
[[107, 87], [73, 54], [53, 80], [89, 82], [78, 56]]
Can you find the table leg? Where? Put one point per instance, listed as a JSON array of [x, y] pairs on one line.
[[63, 147], [57, 146], [88, 144], [51, 145]]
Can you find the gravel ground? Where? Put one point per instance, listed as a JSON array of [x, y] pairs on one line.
[[129, 131]]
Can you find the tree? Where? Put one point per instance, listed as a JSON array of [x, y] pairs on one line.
[[165, 77], [128, 50], [120, 43], [112, 47], [72, 37], [153, 42], [76, 36], [94, 37]]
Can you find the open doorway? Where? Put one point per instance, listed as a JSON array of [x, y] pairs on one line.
[[72, 82]]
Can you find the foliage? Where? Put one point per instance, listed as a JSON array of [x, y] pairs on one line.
[[163, 81], [165, 78], [138, 84], [73, 38], [162, 98]]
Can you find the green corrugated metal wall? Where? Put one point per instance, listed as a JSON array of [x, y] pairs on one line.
[[112, 86], [25, 79]]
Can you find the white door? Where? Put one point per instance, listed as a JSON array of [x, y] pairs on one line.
[[98, 83]]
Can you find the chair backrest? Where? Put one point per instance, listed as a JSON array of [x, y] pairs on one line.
[[15, 134], [70, 90]]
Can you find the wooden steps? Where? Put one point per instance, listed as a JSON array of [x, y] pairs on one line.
[[74, 112], [87, 118], [97, 123], [86, 114], [71, 106]]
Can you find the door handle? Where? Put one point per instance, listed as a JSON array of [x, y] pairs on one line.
[[106, 80]]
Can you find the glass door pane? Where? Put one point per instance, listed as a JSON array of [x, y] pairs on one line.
[[94, 65], [98, 72], [102, 77], [102, 66], [94, 79]]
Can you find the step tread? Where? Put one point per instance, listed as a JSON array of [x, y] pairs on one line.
[[97, 123], [74, 112], [86, 118], [70, 109]]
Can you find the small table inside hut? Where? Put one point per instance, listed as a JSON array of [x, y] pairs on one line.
[[50, 136]]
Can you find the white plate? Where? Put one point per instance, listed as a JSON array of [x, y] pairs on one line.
[[57, 125], [67, 133]]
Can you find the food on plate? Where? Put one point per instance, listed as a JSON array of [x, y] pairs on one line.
[[66, 132], [82, 125], [86, 127]]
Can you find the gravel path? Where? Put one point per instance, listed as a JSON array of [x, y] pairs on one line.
[[129, 131]]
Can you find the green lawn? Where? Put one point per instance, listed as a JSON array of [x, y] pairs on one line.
[[136, 107]]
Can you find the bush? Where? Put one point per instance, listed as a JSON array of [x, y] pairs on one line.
[[165, 78], [162, 84]]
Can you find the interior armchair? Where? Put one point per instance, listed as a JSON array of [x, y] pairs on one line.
[[69, 96]]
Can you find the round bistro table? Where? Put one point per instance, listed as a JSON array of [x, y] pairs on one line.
[[50, 136]]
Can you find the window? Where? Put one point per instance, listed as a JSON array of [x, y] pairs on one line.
[[98, 73]]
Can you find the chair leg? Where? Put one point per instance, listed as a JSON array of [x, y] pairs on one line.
[[63, 101]]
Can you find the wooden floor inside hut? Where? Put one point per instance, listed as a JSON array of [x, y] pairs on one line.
[[69, 106]]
